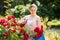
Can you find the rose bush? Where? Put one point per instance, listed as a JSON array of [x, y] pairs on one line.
[[10, 30]]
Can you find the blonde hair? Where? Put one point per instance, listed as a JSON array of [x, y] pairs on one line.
[[33, 5]]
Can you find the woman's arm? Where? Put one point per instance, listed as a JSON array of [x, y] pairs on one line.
[[39, 22], [22, 22], [22, 19], [39, 28]]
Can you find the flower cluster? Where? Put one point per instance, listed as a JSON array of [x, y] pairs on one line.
[[6, 23], [11, 17], [11, 26], [2, 21], [39, 31], [6, 34]]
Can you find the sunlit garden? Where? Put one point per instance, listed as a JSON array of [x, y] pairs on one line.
[[11, 12]]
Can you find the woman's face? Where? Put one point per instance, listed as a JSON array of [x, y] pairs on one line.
[[33, 10]]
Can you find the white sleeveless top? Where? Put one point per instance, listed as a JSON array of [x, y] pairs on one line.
[[32, 22]]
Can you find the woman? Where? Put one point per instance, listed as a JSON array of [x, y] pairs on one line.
[[32, 21]]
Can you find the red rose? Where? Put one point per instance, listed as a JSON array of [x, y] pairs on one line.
[[37, 29], [3, 21], [6, 25], [26, 36], [14, 30], [9, 17], [22, 30], [38, 36], [22, 24], [6, 34], [15, 23], [13, 17], [39, 32]]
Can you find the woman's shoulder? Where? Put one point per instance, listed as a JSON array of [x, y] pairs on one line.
[[26, 16], [38, 16]]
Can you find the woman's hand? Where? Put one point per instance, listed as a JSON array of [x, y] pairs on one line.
[[22, 21], [22, 24]]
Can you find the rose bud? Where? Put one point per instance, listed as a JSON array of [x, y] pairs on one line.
[[13, 17], [9, 17], [6, 34]]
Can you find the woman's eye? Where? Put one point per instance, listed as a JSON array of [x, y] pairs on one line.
[[32, 10]]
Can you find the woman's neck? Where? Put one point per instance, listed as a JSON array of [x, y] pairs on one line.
[[33, 15]]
